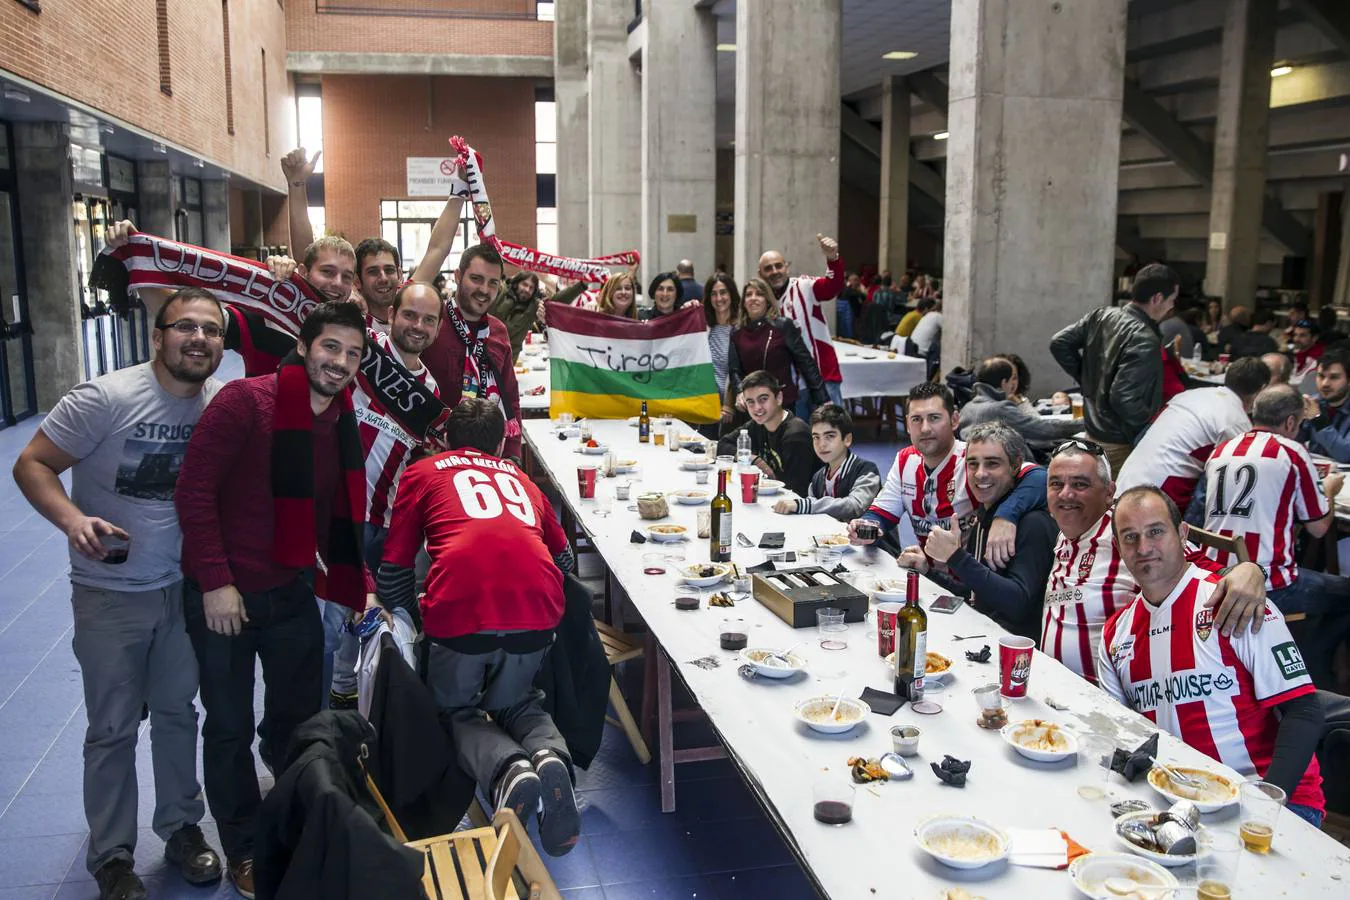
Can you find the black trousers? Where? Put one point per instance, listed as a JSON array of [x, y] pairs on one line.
[[285, 632]]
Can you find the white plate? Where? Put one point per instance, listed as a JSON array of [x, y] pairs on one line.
[[838, 548], [691, 498], [1040, 755], [722, 571], [661, 538], [942, 677], [940, 824], [1163, 785], [852, 712], [768, 487], [1090, 871], [594, 451], [693, 465], [798, 664], [623, 466], [1162, 859]]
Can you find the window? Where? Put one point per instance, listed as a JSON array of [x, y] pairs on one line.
[[162, 32], [545, 170], [543, 10], [309, 120], [229, 78], [407, 225], [267, 112]]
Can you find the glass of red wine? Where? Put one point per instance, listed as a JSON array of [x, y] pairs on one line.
[[833, 802]]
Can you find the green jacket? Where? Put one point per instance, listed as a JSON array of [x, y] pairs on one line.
[[519, 317]]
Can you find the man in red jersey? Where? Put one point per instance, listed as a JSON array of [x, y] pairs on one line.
[[488, 624], [1245, 700]]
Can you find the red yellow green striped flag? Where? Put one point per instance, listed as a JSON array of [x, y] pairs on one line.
[[604, 366]]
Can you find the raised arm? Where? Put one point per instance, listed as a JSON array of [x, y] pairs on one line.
[[297, 167], [153, 299], [442, 237], [831, 285]]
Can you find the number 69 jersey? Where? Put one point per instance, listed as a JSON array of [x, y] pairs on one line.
[[492, 538], [1258, 486]]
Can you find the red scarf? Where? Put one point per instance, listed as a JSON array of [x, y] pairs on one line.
[[341, 576]]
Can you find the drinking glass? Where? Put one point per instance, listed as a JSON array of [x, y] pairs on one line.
[[831, 628], [653, 564], [704, 522], [676, 551], [1216, 865], [1261, 804], [604, 501], [833, 801], [1095, 753]]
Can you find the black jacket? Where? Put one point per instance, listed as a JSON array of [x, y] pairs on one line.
[[317, 831], [574, 677], [776, 346], [788, 451], [1115, 354]]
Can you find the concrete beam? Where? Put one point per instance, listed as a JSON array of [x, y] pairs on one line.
[[334, 63], [867, 136], [1129, 240], [930, 89], [1332, 18]]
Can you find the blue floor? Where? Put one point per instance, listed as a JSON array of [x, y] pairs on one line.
[[718, 844]]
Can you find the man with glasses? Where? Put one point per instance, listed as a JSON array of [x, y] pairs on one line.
[[1088, 583], [124, 436]]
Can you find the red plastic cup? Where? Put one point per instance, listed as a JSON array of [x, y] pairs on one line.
[[1014, 666], [886, 616], [750, 486], [1225, 358], [586, 481]]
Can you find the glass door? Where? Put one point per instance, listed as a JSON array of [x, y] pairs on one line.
[[103, 351], [18, 390]]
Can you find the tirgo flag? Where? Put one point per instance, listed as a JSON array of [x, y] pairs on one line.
[[604, 366]]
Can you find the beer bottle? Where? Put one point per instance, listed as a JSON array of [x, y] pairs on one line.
[[911, 643], [644, 425], [719, 535]]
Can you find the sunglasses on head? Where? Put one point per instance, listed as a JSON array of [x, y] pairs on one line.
[[1078, 444]]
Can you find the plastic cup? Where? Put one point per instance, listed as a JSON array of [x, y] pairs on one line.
[[701, 476], [833, 802], [1216, 865], [653, 564], [621, 489], [1261, 804], [604, 502], [586, 481], [118, 548], [1014, 665], [905, 739], [704, 519], [886, 616], [831, 628], [750, 485], [1095, 752]]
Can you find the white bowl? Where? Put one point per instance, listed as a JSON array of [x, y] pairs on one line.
[[594, 451], [931, 828], [821, 539], [850, 713], [942, 677], [1090, 871], [768, 487], [691, 497], [694, 465], [1071, 740], [623, 466], [768, 671], [721, 569], [667, 537], [1162, 859], [1163, 785]]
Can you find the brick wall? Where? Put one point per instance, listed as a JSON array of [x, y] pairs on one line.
[[372, 123], [105, 55], [492, 33]]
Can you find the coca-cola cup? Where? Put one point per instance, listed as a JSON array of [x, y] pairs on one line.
[[1014, 666], [749, 485], [886, 615], [586, 481]]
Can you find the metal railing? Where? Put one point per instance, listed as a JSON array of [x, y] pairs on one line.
[[522, 10]]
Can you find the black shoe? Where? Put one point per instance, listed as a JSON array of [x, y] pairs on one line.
[[517, 789], [197, 862], [116, 881], [559, 820], [341, 701]]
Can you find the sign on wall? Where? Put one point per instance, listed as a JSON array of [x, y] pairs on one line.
[[429, 176]]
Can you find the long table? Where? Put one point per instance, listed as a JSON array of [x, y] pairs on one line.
[[876, 855], [869, 372]]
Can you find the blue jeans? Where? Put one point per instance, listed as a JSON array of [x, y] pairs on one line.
[[341, 649], [843, 318], [1312, 816]]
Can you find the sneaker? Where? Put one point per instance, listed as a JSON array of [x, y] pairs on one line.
[[517, 789], [241, 873], [197, 862], [341, 700], [559, 819], [117, 881]]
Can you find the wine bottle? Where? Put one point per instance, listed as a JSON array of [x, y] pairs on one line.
[[644, 425], [719, 535], [911, 643]]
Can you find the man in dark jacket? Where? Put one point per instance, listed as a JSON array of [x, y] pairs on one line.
[[1115, 354], [1012, 597], [517, 305], [1256, 340], [995, 378], [780, 442]]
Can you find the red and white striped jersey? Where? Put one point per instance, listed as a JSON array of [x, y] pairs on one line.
[[928, 497], [801, 302], [385, 444], [1170, 664], [1258, 486], [1087, 586], [1172, 452], [375, 326]]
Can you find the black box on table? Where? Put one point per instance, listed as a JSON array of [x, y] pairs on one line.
[[796, 594]]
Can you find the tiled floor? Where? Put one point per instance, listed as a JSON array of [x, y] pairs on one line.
[[718, 844]]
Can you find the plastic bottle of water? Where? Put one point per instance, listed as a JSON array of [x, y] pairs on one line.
[[743, 453], [1196, 353]]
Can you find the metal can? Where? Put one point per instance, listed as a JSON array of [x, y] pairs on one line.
[[1122, 807], [1175, 839], [1183, 812]]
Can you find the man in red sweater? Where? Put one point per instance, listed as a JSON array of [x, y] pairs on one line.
[[488, 625], [272, 476]]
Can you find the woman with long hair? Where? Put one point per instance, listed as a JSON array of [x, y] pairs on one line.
[[667, 295], [722, 309], [618, 295], [765, 340]]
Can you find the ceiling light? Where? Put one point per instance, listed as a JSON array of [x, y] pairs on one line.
[[17, 95], [899, 54], [199, 164], [159, 148], [1280, 70], [726, 48], [940, 136]]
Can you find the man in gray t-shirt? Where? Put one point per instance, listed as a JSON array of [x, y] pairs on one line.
[[123, 436]]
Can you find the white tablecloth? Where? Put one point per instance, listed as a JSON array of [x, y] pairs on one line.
[[869, 372], [876, 855], [534, 378]]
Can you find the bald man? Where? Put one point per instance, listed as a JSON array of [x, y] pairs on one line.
[[684, 270], [801, 299], [1280, 367]]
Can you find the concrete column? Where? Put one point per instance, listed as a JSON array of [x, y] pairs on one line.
[[679, 136], [1032, 167], [42, 165], [787, 131], [613, 121], [154, 183], [216, 215], [893, 237], [573, 126], [1240, 138]]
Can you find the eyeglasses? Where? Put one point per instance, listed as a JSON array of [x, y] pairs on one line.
[[1078, 444], [187, 328]]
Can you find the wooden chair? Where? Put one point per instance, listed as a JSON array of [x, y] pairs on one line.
[[1234, 546], [621, 647]]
